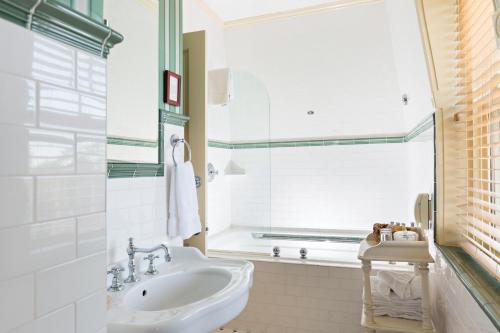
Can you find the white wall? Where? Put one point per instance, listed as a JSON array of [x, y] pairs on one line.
[[327, 187], [338, 63], [338, 187], [52, 186], [324, 187], [251, 193], [409, 59], [420, 172], [250, 109], [219, 192], [197, 17]]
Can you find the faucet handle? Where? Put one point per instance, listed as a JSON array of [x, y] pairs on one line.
[[116, 284], [151, 257], [151, 268]]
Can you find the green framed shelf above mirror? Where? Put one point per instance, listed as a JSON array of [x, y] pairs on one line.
[[77, 23]]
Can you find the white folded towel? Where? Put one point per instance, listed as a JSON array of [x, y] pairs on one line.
[[405, 284], [396, 307], [379, 287], [183, 217], [390, 304]]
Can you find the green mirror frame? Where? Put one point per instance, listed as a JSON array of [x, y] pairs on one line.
[[170, 35]]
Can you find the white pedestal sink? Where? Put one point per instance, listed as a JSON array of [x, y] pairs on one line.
[[191, 294]]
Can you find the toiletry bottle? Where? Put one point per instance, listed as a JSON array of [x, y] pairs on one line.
[[397, 227], [412, 227]]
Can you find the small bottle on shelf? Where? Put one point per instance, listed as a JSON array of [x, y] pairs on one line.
[[397, 227]]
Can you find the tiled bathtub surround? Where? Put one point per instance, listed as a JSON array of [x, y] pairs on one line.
[[296, 298], [52, 186]]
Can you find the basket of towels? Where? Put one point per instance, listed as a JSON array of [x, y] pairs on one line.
[[397, 294]]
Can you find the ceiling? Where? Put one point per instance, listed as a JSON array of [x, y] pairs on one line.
[[230, 10]]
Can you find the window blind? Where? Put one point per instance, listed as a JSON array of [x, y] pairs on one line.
[[479, 100]]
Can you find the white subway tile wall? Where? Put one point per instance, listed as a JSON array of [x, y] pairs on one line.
[[60, 321], [91, 313], [219, 190], [311, 187], [453, 308], [52, 186], [137, 207]]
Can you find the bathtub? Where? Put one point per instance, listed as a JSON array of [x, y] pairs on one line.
[[332, 247]]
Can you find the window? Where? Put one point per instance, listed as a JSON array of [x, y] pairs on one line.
[[479, 82]]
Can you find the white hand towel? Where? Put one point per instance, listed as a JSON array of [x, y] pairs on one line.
[[183, 217], [405, 284]]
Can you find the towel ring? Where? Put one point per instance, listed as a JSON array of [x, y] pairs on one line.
[[174, 140]]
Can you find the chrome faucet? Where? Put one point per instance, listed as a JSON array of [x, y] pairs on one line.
[[132, 250]]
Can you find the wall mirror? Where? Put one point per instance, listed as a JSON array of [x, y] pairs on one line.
[[133, 81]]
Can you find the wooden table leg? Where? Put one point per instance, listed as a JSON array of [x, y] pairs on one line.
[[367, 293], [426, 316]]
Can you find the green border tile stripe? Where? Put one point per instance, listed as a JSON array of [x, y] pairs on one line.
[[130, 170], [307, 143], [62, 23], [483, 287], [423, 126], [132, 142]]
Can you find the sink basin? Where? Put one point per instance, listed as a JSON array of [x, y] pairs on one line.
[[176, 290], [191, 294]]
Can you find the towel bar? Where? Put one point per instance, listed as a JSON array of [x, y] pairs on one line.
[[174, 140]]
